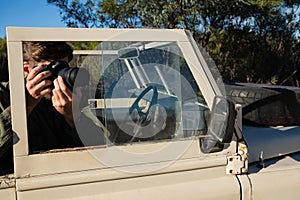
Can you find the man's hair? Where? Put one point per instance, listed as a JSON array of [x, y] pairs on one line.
[[46, 51]]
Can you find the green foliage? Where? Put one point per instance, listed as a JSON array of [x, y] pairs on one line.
[[250, 40], [3, 60], [77, 14]]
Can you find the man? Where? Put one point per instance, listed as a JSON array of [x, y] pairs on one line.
[[51, 107], [6, 162], [54, 113]]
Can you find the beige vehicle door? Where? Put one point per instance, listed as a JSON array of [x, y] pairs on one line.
[[152, 93]]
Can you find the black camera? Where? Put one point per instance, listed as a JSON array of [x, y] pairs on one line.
[[69, 74]]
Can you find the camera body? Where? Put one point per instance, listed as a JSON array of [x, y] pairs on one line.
[[72, 76]]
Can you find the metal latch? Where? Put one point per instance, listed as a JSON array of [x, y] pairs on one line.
[[238, 163]]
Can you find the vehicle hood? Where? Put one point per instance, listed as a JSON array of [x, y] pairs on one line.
[[270, 142]]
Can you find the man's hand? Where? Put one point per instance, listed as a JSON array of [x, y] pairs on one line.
[[65, 102], [37, 86]]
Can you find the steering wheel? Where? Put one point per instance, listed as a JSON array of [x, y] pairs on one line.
[[135, 106], [142, 115]]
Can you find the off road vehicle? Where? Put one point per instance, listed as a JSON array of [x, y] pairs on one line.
[[173, 129]]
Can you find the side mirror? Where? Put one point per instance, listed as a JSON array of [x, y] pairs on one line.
[[128, 53], [221, 125]]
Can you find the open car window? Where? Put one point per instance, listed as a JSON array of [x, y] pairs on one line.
[[136, 92], [146, 92]]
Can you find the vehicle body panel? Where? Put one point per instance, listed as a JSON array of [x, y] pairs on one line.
[[279, 179], [7, 187], [8, 193], [270, 142]]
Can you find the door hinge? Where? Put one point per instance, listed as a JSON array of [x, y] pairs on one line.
[[238, 163]]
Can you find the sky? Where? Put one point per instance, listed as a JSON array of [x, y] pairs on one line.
[[28, 13]]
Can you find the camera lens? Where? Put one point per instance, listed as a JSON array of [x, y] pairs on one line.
[[70, 75]]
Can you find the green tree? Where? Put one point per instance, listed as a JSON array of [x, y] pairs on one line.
[[3, 60], [250, 40]]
